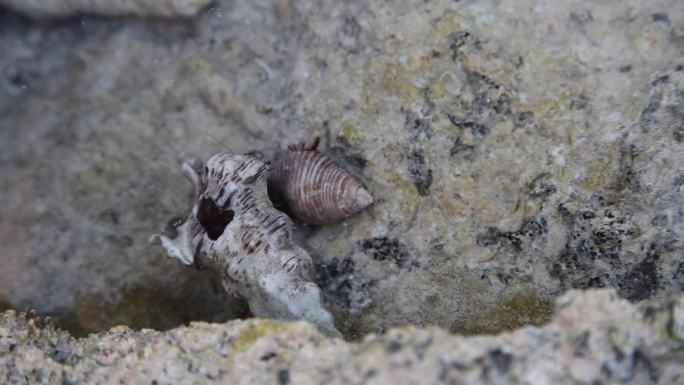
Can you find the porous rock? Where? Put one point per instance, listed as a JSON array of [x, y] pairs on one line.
[[595, 337]]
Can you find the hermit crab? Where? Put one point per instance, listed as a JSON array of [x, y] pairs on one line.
[[234, 230]]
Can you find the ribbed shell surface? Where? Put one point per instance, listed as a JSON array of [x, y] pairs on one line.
[[315, 189]]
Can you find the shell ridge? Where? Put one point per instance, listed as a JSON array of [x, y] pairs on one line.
[[314, 188]]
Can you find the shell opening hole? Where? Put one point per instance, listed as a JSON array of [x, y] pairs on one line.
[[213, 218]]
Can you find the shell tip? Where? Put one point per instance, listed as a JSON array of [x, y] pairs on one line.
[[363, 198]]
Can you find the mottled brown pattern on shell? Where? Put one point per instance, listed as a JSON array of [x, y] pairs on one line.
[[314, 189]]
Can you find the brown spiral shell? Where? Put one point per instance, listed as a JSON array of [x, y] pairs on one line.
[[314, 189]]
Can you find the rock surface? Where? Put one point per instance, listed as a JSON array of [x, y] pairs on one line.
[[60, 8], [595, 337], [515, 149]]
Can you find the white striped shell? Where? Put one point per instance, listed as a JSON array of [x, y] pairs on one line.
[[314, 189], [234, 230]]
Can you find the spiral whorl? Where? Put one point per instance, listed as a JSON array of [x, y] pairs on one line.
[[315, 189]]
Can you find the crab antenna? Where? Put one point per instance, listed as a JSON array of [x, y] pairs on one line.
[[219, 141]]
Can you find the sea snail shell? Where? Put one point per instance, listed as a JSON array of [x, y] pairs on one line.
[[313, 188], [234, 230]]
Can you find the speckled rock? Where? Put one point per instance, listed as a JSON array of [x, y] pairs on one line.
[[595, 337], [57, 8], [514, 150]]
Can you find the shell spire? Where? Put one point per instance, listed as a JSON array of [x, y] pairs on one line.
[[313, 188]]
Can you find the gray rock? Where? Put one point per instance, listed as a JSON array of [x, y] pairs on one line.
[[515, 150], [595, 337], [60, 8]]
